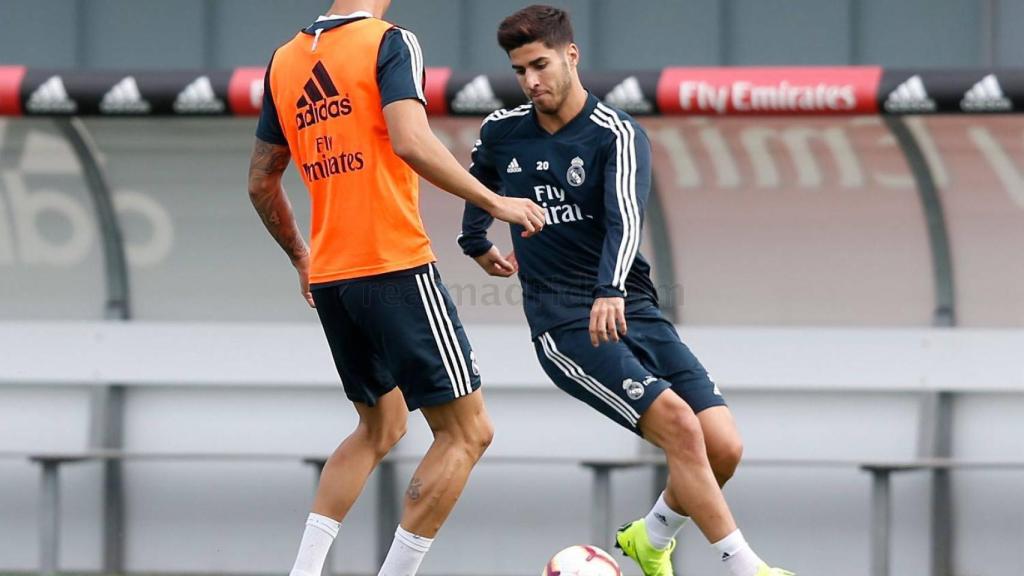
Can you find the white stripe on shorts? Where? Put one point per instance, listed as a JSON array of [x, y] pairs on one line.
[[461, 365], [576, 373], [442, 344]]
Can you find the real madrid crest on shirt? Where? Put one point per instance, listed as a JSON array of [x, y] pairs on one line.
[[576, 174]]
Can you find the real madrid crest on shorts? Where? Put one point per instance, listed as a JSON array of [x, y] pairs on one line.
[[634, 389], [576, 174]]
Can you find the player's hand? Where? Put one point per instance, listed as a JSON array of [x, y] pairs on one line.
[[302, 267], [521, 211], [607, 320], [492, 263]]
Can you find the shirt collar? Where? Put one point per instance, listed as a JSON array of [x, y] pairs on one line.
[[357, 14]]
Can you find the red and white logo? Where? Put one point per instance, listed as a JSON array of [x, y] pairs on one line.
[[245, 91], [769, 90]]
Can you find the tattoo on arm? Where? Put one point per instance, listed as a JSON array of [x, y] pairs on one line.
[[268, 163], [414, 489], [269, 158]]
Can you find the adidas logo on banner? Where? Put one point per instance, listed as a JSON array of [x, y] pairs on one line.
[[124, 98], [629, 96], [51, 97], [910, 96], [199, 98], [321, 100], [986, 96], [513, 167], [476, 97]]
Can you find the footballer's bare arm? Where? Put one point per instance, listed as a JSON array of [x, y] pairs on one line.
[[268, 164]]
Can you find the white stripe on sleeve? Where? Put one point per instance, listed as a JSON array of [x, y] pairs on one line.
[[417, 61]]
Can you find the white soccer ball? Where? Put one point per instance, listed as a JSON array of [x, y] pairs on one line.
[[582, 561]]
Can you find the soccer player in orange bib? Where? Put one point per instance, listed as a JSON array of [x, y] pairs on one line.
[[344, 99]]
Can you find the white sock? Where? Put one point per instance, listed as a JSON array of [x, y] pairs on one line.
[[316, 541], [737, 555], [663, 523], [406, 553]]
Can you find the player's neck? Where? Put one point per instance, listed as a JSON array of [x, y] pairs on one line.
[[570, 109], [350, 6]]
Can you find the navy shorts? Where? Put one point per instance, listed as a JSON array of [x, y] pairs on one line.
[[397, 329], [622, 379]]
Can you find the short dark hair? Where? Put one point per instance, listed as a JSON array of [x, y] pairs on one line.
[[537, 23]]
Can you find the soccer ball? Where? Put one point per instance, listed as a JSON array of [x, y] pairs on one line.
[[582, 561]]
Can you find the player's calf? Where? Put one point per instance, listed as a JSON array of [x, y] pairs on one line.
[[671, 425], [462, 432]]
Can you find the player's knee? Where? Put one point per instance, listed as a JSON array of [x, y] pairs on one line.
[[473, 438], [384, 438], [725, 458], [479, 437], [685, 437]]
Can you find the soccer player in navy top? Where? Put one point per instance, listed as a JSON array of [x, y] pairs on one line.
[[587, 291]]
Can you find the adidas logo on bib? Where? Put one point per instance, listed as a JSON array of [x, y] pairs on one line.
[[321, 100]]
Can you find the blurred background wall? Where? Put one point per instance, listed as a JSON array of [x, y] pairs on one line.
[[613, 34]]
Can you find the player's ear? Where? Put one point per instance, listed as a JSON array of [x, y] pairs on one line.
[[572, 54]]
